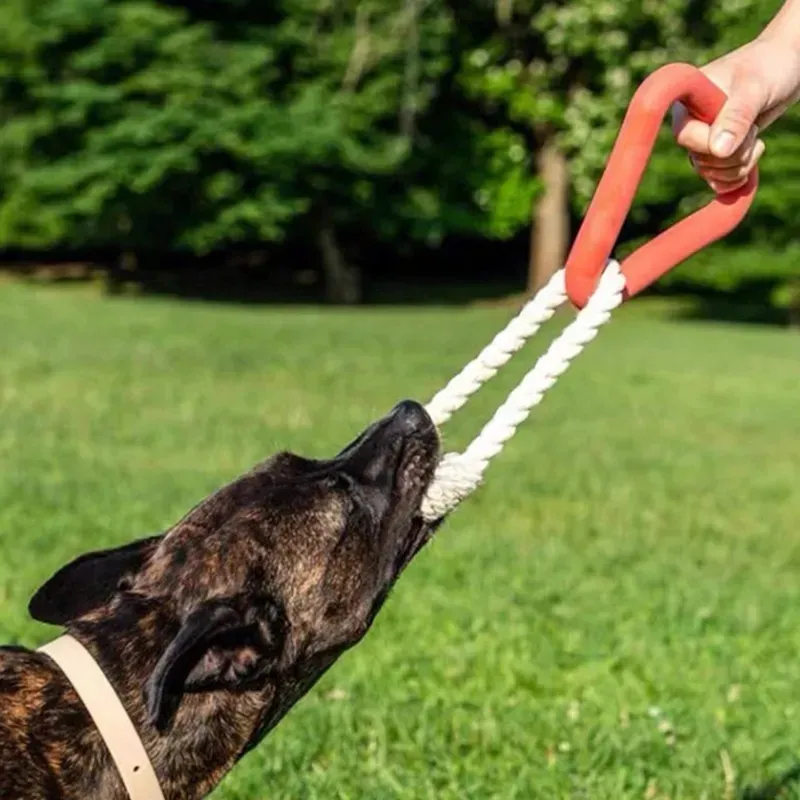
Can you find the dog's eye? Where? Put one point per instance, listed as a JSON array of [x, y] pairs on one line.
[[345, 485], [340, 482], [349, 486]]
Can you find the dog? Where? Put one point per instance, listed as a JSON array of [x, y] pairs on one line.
[[212, 631]]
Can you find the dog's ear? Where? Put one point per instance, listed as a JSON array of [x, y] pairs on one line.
[[88, 582], [216, 646]]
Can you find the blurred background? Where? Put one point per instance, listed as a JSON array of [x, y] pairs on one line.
[[354, 151], [231, 228]]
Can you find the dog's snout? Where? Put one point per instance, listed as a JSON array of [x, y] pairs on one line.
[[410, 417], [378, 451]]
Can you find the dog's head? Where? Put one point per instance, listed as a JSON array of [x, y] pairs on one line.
[[272, 577]]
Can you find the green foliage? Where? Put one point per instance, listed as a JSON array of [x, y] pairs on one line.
[[486, 187], [139, 125], [768, 276], [570, 68], [616, 608], [147, 124]]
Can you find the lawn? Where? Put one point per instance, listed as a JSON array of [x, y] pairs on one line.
[[616, 614]]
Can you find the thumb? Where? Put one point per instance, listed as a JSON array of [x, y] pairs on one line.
[[734, 122]]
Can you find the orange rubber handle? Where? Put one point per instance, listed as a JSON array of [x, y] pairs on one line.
[[615, 192]]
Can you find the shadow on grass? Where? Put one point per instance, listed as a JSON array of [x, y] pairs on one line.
[[751, 304], [238, 290], [453, 281], [457, 274], [773, 789], [287, 290], [711, 309]]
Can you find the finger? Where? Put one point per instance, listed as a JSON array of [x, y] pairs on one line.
[[727, 188], [691, 133], [737, 117], [728, 180], [731, 174], [742, 156]]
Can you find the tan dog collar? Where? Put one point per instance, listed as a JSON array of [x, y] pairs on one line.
[[109, 715]]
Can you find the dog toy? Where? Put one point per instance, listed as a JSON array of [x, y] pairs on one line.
[[591, 280]]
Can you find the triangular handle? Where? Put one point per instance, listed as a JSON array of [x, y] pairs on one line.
[[617, 187]]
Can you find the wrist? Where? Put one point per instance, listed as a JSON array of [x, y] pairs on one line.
[[783, 41], [784, 29]]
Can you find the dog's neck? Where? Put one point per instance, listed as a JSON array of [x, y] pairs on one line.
[[209, 732]]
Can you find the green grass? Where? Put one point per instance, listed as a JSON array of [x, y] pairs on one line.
[[616, 614]]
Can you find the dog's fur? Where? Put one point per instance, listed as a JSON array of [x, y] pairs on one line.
[[212, 631]]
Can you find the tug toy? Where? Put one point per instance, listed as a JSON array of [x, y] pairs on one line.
[[592, 281]]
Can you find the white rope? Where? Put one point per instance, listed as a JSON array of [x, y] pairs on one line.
[[499, 351], [459, 474]]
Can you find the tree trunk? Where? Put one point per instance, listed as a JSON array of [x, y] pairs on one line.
[[550, 231], [504, 10], [794, 306], [121, 271], [343, 284]]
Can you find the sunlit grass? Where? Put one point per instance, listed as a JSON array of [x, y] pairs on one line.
[[616, 614]]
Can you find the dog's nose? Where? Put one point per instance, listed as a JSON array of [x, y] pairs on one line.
[[410, 417]]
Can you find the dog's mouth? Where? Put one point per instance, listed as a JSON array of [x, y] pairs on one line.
[[394, 462], [419, 457], [398, 453]]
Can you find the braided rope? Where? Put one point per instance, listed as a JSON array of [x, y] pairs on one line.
[[499, 351], [459, 474]]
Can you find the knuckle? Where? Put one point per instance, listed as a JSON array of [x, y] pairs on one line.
[[739, 119], [693, 136]]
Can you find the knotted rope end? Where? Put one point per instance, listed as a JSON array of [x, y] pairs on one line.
[[460, 474]]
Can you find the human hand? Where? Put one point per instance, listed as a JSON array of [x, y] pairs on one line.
[[761, 80]]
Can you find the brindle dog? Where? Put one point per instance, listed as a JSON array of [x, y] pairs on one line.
[[211, 632]]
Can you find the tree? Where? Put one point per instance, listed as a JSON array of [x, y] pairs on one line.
[[564, 72], [145, 125], [159, 125]]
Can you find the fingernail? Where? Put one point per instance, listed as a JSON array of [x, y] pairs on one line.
[[758, 150], [723, 144]]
